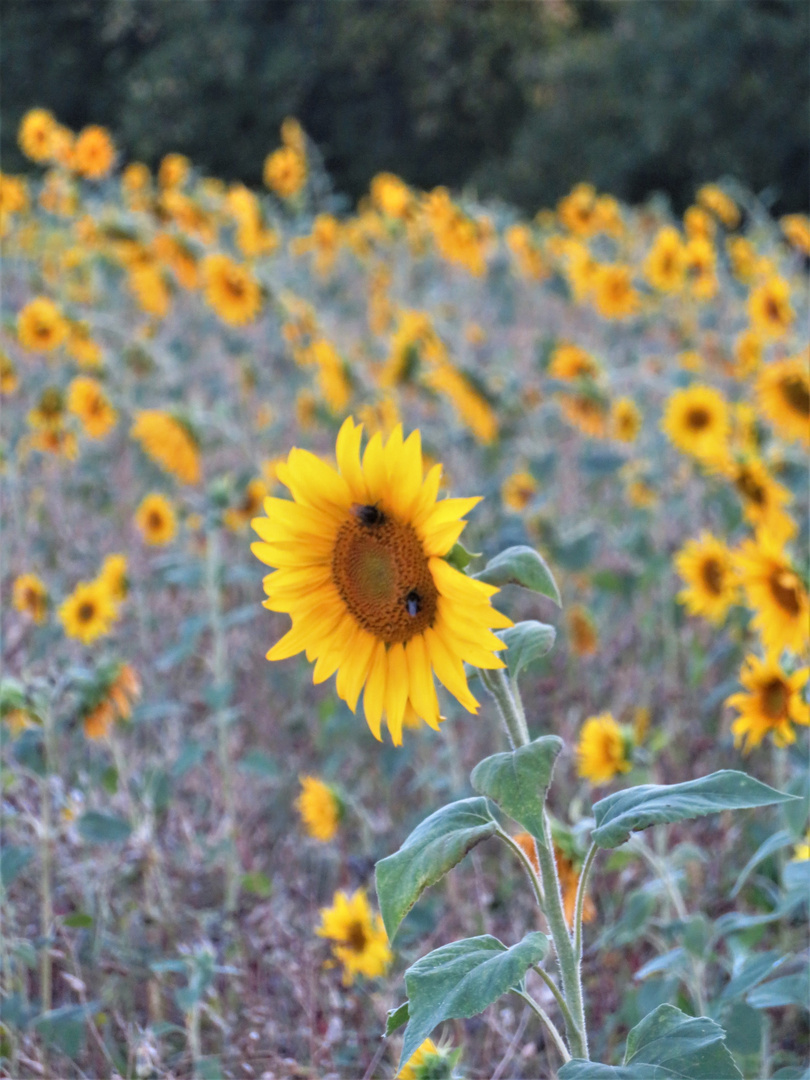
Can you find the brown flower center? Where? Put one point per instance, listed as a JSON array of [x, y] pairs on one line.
[[785, 591], [750, 488], [698, 418], [356, 936], [382, 574], [235, 286], [713, 576], [796, 393], [86, 611], [775, 697], [155, 520]]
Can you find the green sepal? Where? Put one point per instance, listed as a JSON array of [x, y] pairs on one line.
[[459, 557]]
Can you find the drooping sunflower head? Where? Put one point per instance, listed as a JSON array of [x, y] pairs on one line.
[[603, 750], [358, 558], [319, 807], [783, 393]]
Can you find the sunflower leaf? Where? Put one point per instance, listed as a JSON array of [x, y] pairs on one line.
[[461, 979], [433, 848], [517, 781], [523, 566], [526, 641], [396, 1018], [666, 1044], [640, 807]]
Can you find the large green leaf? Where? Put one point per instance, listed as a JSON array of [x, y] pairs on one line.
[[518, 781], [100, 828], [462, 979], [13, 860], [651, 804], [787, 990], [521, 565], [666, 1044], [526, 641], [433, 848]]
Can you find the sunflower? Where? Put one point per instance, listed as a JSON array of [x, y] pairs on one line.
[[665, 265], [361, 944], [577, 211], [783, 395], [81, 346], [572, 362], [625, 419], [35, 136], [285, 171], [769, 307], [87, 400], [236, 517], [614, 295], [697, 421], [603, 750], [168, 442], [743, 257], [89, 612], [588, 412], [319, 807], [231, 290], [359, 569], [713, 198], [427, 1061], [473, 408], [148, 284], [173, 171], [776, 592], [772, 704], [701, 262], [114, 574], [156, 520], [93, 152], [29, 594], [707, 567], [582, 633], [747, 353], [392, 196], [796, 228], [518, 490], [9, 380], [763, 499], [41, 327]]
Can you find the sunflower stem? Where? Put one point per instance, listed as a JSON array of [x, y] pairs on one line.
[[580, 901], [517, 731], [219, 664]]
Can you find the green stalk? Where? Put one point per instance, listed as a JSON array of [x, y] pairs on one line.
[[46, 860], [219, 664], [517, 731], [552, 1030], [580, 901]]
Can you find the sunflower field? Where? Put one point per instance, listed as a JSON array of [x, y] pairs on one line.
[[405, 628]]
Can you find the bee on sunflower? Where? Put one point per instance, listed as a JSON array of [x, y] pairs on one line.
[[359, 566]]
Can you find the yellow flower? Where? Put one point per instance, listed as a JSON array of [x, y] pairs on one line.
[[9, 380], [49, 411], [577, 211], [707, 567], [169, 443], [518, 490], [772, 704], [713, 198], [36, 134], [665, 265], [114, 574], [148, 283], [319, 807], [640, 494], [614, 296], [776, 592], [80, 345], [236, 517], [173, 171], [769, 307], [744, 258], [698, 224], [801, 852], [87, 400], [89, 612], [360, 570], [625, 419], [156, 520], [93, 152], [41, 327], [783, 395], [392, 196], [747, 353], [421, 1065], [582, 632], [361, 944], [763, 499], [602, 750], [571, 362], [796, 228], [588, 412], [697, 421], [231, 290], [136, 178], [474, 409], [97, 722], [29, 594], [701, 260], [285, 171]]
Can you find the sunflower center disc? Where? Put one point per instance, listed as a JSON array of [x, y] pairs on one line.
[[796, 394], [713, 576], [383, 577], [785, 590], [698, 419], [775, 698], [356, 937]]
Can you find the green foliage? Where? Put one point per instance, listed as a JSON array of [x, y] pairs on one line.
[[433, 848], [518, 781], [461, 979], [667, 1043], [640, 807], [525, 642], [98, 828], [521, 565]]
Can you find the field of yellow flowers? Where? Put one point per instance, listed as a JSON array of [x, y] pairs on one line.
[[189, 370]]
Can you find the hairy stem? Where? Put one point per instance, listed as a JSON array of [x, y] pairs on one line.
[[552, 1030], [580, 901]]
